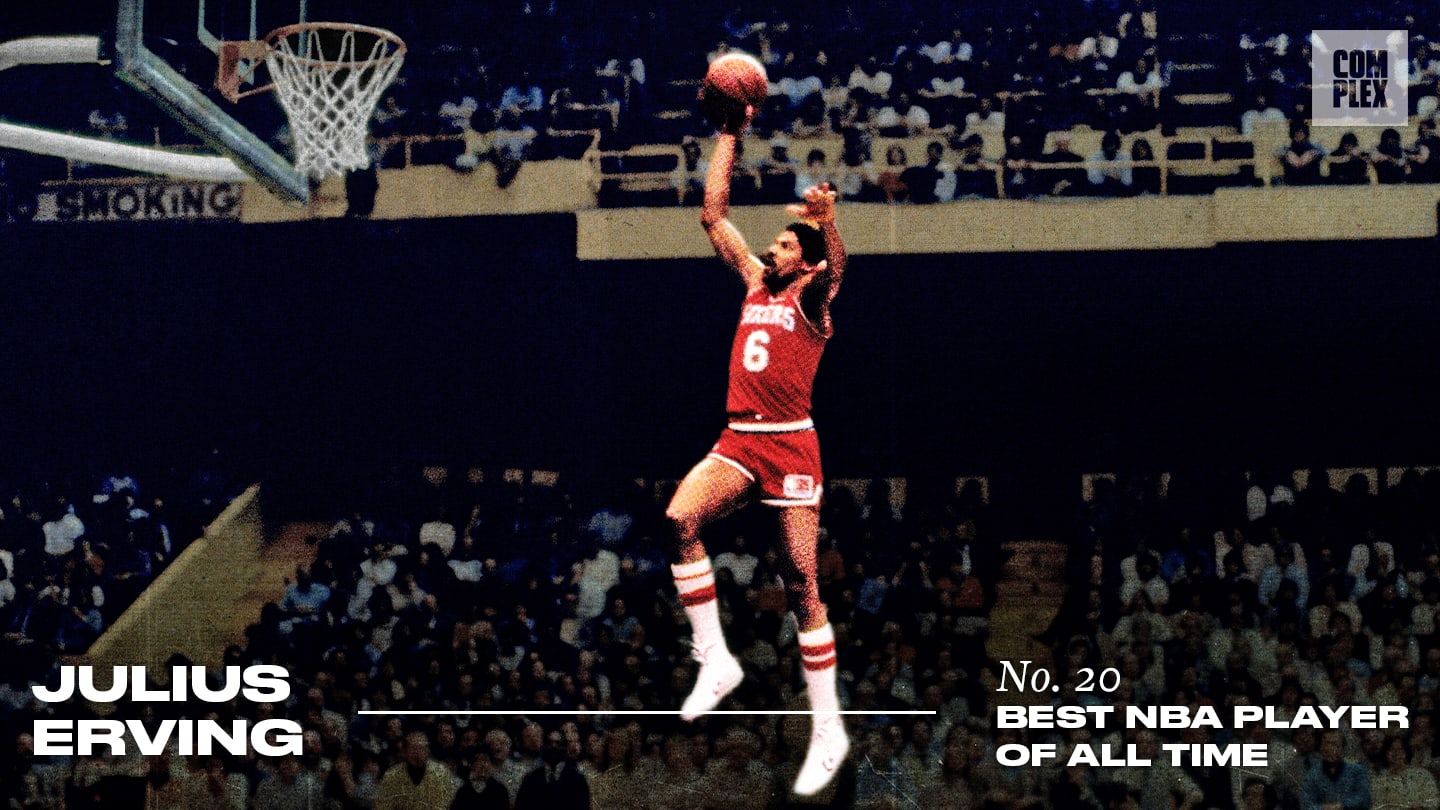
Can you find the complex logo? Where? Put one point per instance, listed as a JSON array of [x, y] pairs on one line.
[[1359, 78]]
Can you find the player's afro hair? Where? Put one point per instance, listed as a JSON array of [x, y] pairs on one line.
[[812, 242]]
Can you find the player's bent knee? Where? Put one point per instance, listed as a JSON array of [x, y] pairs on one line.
[[682, 523]]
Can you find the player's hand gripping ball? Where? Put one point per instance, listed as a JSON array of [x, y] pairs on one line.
[[733, 82]]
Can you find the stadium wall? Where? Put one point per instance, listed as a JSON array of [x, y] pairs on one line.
[[188, 607], [320, 352], [973, 226]]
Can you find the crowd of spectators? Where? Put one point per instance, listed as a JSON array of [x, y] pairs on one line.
[[455, 593], [1285, 597], [989, 85], [469, 594], [73, 557]]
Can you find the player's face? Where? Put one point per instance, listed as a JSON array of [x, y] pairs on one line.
[[783, 261]]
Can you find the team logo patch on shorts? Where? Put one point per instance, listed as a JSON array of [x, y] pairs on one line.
[[799, 487]]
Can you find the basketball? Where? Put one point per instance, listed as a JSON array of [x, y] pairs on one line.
[[738, 77], [733, 81]]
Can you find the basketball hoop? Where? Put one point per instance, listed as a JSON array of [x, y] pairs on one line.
[[328, 77]]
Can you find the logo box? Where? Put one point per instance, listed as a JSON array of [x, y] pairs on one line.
[[1359, 78]]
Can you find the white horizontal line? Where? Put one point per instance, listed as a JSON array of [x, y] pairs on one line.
[[673, 712]]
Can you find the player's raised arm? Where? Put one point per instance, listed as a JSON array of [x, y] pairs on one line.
[[819, 210], [715, 211]]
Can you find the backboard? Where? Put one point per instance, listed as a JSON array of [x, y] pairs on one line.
[[165, 50]]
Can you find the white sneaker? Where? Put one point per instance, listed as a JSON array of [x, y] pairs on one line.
[[719, 674], [828, 747]]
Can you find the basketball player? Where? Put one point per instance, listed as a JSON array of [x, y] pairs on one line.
[[769, 450]]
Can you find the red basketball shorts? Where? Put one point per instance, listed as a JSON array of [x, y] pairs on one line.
[[786, 465]]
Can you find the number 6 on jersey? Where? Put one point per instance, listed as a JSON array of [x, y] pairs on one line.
[[756, 357]]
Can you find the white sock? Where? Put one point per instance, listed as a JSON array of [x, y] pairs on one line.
[[696, 583], [818, 660]]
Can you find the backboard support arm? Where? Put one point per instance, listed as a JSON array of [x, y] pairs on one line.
[[138, 67]]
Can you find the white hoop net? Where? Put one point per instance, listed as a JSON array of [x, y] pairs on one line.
[[328, 77]]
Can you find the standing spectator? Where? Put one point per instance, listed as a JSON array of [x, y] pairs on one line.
[[556, 783], [415, 782]]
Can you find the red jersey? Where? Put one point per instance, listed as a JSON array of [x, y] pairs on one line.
[[773, 363]]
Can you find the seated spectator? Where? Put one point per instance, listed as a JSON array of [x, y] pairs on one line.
[[798, 83], [1061, 182], [869, 82], [1347, 164], [859, 179], [835, 95], [1109, 171], [812, 121], [390, 117], [779, 163], [1388, 158], [415, 780], [438, 533], [511, 145], [524, 96], [482, 790], [988, 123], [1019, 177], [1100, 50], [1396, 782], [1143, 80], [1332, 779], [688, 179], [1301, 159], [1424, 79], [1424, 157], [303, 601], [290, 786], [932, 182], [890, 181], [556, 782], [814, 173], [974, 175], [902, 117], [1146, 178], [1261, 111]]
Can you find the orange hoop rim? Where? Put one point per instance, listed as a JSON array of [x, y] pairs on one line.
[[396, 51]]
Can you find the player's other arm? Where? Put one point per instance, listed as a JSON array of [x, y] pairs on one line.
[[819, 210], [715, 211]]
